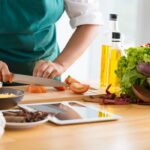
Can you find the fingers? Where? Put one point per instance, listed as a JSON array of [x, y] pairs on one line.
[[47, 69], [4, 72], [41, 69], [54, 74], [37, 66]]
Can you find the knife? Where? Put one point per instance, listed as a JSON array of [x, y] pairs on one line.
[[26, 79]]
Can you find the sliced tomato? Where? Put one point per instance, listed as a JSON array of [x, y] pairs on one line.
[[79, 88], [36, 89], [70, 80], [61, 88]]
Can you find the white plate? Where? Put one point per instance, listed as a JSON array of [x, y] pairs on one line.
[[26, 125]]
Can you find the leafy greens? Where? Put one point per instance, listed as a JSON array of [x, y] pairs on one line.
[[127, 68]]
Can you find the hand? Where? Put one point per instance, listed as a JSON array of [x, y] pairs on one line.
[[48, 69], [4, 72]]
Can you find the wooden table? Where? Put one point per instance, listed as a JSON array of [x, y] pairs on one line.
[[132, 132]]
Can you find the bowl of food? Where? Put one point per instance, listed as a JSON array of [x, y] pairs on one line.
[[10, 97]]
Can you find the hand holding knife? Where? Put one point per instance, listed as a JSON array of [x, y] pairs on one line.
[[7, 76], [26, 79]]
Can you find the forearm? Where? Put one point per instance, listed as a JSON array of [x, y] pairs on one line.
[[78, 43]]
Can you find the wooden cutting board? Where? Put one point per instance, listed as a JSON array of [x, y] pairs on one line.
[[54, 95]]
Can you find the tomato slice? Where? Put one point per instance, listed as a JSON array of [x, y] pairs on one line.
[[79, 88], [36, 89], [70, 80], [60, 88]]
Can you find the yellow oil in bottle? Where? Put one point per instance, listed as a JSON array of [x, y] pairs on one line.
[[115, 55], [104, 66], [107, 36]]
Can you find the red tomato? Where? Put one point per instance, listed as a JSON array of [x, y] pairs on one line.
[[60, 88], [70, 80], [36, 89], [79, 88]]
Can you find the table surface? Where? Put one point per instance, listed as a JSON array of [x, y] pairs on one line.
[[131, 132]]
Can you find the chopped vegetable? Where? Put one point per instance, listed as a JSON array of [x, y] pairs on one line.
[[36, 89], [127, 69], [70, 80], [79, 88], [61, 88]]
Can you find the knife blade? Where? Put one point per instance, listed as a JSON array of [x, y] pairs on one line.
[[26, 79]]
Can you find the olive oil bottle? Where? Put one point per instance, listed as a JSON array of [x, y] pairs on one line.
[[114, 55], [104, 63]]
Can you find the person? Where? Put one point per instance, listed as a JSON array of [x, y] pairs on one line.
[[28, 43]]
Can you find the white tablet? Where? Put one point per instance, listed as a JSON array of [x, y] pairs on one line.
[[71, 112]]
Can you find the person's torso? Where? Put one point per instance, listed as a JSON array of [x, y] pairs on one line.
[[27, 32]]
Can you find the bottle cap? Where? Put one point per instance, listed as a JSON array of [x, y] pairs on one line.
[[116, 35], [113, 16]]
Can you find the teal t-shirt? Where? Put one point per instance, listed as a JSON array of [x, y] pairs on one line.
[[28, 32]]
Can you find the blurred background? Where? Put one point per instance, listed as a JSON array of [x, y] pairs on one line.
[[134, 24]]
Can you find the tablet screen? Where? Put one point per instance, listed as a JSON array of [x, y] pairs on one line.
[[72, 111]]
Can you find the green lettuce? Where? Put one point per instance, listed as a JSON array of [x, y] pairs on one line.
[[127, 68]]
